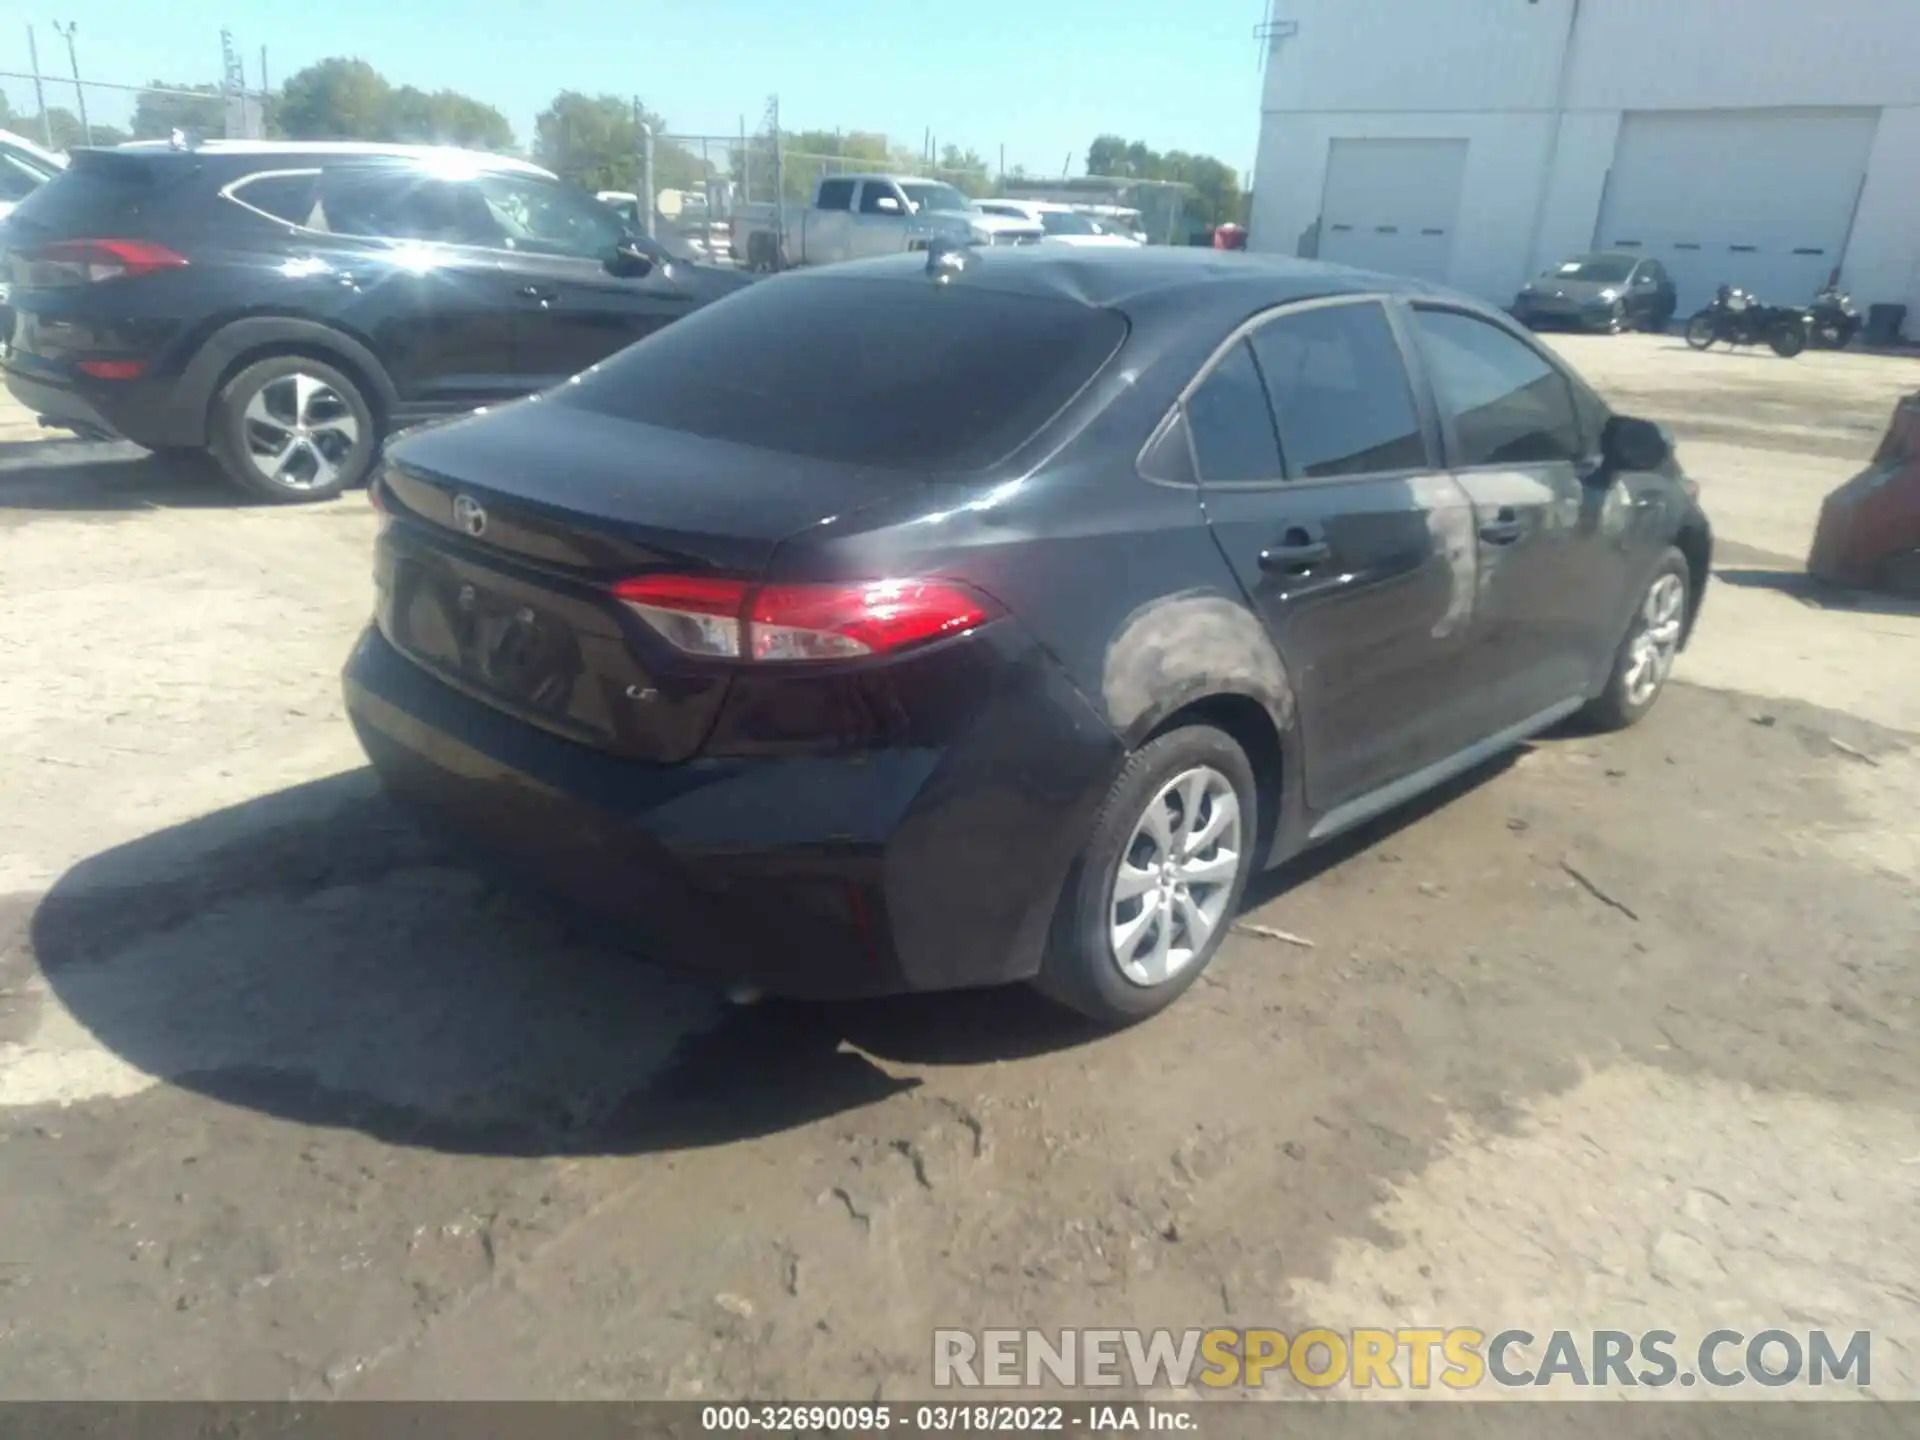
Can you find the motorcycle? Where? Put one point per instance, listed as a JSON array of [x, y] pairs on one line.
[[1832, 320], [1740, 319]]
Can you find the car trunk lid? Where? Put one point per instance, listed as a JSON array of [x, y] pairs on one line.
[[512, 529]]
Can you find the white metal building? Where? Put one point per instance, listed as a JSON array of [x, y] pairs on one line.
[[1757, 142]]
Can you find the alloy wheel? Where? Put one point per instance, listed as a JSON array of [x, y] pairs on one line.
[[1657, 641], [299, 431], [1175, 876]]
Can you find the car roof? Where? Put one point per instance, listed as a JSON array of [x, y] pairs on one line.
[[322, 149], [882, 175], [1133, 277]]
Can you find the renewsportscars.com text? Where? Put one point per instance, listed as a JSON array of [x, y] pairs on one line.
[[1402, 1358]]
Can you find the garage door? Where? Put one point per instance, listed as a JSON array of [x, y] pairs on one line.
[[1390, 205], [1758, 199]]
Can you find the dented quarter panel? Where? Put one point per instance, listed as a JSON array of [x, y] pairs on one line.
[[1185, 647]]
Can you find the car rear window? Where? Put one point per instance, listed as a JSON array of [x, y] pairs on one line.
[[893, 373], [99, 189]]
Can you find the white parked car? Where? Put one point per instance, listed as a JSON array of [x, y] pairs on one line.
[[24, 168], [1064, 224]]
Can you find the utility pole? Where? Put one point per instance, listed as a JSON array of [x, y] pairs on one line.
[[779, 183], [39, 94], [66, 32], [645, 132]]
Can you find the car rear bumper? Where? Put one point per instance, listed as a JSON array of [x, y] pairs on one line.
[[143, 411], [877, 871]]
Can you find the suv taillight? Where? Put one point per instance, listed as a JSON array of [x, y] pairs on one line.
[[87, 262], [733, 620]]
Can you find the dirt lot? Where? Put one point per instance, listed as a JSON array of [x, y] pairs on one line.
[[290, 1105]]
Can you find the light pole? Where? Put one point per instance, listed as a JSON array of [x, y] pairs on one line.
[[65, 32]]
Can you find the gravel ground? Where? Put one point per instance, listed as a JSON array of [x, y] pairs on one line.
[[1619, 1032]]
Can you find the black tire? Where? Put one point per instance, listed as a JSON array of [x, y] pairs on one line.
[[1700, 329], [1619, 706], [1788, 338], [334, 450], [1617, 322], [1081, 970]]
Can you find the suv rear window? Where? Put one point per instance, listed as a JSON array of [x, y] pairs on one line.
[[97, 187], [879, 372]]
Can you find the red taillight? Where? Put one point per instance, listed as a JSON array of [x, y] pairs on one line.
[[113, 369], [835, 622], [86, 262], [729, 619]]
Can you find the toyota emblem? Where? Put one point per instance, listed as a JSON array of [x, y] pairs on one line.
[[469, 515]]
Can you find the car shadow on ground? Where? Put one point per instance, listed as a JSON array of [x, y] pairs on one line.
[[81, 477], [311, 956], [1818, 593]]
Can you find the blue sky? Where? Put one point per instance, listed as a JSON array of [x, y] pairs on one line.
[[1042, 77]]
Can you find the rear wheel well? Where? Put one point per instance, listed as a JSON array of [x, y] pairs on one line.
[[1252, 728], [271, 349]]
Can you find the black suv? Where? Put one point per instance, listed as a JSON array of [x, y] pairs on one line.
[[284, 305]]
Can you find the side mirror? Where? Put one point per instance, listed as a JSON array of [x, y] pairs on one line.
[[1630, 444], [629, 261], [887, 205]]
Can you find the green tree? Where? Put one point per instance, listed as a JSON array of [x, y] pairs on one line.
[[65, 128], [336, 99], [347, 99], [157, 113], [594, 142], [965, 170], [446, 117], [1215, 197]]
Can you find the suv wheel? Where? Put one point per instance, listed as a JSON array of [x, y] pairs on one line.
[[1646, 655], [290, 428], [1151, 899]]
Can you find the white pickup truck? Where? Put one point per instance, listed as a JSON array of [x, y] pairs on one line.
[[854, 217]]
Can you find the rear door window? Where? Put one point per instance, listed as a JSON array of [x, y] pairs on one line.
[[397, 202], [835, 195], [283, 195], [1231, 423], [1341, 398], [902, 374]]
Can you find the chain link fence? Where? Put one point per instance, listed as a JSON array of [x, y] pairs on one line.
[[708, 192], [57, 114]]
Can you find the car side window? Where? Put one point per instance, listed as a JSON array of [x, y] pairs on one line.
[[1340, 393], [871, 195], [835, 195], [399, 203], [16, 180], [288, 196], [539, 217], [1507, 404], [1231, 423]]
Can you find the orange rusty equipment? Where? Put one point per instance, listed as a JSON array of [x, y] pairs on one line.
[[1869, 535]]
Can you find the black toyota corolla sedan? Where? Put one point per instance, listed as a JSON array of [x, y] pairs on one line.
[[947, 621]]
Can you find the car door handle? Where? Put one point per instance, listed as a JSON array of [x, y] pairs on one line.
[[1503, 529], [1299, 550], [542, 293]]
